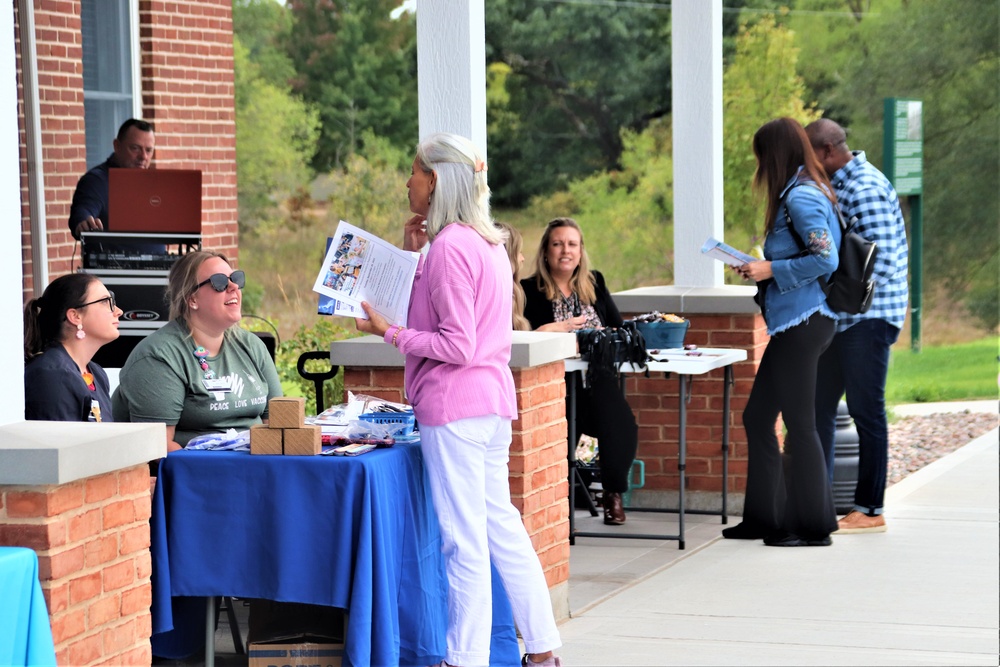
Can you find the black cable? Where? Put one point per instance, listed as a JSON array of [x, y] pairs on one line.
[[277, 335]]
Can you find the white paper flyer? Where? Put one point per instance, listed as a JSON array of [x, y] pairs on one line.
[[728, 254], [362, 267]]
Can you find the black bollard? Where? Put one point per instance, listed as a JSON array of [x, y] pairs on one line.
[[846, 450]]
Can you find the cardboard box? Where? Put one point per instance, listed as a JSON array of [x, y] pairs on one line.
[[296, 654], [305, 441], [293, 634], [286, 412], [264, 440]]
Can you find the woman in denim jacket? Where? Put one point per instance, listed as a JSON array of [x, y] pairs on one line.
[[788, 498]]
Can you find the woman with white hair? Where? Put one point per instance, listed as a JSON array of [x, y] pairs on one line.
[[457, 349]]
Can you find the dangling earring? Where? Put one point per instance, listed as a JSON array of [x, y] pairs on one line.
[[80, 333], [428, 199]]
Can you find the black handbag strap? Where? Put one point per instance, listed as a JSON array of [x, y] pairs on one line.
[[803, 249]]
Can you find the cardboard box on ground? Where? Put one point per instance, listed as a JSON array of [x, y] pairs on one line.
[[294, 634]]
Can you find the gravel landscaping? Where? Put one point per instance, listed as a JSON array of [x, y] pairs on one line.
[[916, 441]]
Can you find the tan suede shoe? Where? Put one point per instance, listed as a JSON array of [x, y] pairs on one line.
[[859, 522]]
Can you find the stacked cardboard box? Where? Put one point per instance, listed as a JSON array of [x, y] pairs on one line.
[[286, 431]]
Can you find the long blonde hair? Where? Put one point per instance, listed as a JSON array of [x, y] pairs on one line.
[[581, 282], [514, 245]]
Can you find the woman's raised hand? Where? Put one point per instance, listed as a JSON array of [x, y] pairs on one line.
[[415, 233]]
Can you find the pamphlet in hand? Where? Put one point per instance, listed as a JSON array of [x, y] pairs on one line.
[[728, 254], [330, 306], [362, 267]]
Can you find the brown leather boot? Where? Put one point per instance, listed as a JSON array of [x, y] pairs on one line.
[[614, 512]]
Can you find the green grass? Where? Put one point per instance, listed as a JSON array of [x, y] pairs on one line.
[[966, 371]]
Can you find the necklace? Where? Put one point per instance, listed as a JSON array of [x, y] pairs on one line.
[[201, 354]]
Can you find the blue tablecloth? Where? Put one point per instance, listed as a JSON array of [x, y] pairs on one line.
[[25, 633], [358, 533]]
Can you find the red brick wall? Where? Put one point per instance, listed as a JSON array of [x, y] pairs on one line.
[[538, 467], [92, 541], [188, 89], [187, 92], [655, 403]]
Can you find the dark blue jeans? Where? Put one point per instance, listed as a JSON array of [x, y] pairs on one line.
[[857, 362]]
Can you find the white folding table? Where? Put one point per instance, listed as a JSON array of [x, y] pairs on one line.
[[684, 363]]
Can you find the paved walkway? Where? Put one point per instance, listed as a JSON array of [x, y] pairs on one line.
[[923, 593]]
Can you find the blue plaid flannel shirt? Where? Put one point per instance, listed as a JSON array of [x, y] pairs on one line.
[[865, 192]]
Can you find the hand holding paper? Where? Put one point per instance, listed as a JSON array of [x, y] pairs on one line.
[[725, 253], [359, 266]]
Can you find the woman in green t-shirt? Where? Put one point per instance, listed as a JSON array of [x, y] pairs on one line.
[[200, 373]]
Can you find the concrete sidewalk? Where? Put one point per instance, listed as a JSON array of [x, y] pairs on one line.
[[923, 593]]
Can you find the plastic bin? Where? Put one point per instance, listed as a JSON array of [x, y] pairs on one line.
[[663, 335], [399, 423]]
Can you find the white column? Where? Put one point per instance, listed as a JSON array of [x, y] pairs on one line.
[[451, 68], [11, 337], [696, 50]]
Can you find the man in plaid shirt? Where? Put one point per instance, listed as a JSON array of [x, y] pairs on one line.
[[857, 360]]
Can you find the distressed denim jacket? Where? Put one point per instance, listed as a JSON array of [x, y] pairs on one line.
[[794, 294]]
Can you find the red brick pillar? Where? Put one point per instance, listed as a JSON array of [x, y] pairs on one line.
[[539, 473], [92, 541]]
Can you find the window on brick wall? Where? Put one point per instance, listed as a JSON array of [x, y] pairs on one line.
[[110, 71]]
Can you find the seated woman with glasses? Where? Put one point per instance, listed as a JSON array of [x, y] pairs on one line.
[[63, 330], [200, 373]]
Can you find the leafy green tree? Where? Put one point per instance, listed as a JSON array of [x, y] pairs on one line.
[[946, 54], [759, 85], [575, 75], [626, 214], [275, 139], [263, 26], [357, 65], [370, 190]]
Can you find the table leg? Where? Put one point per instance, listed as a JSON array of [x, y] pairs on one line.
[[726, 392], [683, 398], [571, 438], [210, 632]]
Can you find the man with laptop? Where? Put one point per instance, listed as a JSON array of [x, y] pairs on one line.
[[133, 149]]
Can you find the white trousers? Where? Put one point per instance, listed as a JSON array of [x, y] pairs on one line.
[[467, 467]]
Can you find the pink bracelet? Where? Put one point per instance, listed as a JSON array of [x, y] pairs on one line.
[[396, 335]]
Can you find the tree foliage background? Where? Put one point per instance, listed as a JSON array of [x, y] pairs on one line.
[[578, 113]]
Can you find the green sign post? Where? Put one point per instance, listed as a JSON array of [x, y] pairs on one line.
[[903, 137]]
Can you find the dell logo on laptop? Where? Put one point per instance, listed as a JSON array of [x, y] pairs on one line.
[[155, 200]]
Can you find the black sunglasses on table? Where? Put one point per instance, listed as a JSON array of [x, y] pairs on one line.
[[220, 281], [110, 298]]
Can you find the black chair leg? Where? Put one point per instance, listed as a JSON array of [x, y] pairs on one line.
[[234, 624]]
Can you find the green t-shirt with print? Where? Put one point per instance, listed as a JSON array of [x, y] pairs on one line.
[[162, 381]]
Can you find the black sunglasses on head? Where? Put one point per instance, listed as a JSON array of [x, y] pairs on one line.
[[220, 281]]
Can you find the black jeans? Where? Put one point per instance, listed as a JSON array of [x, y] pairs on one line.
[[788, 489], [857, 362], [603, 412]]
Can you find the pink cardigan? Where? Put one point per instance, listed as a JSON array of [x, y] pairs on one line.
[[457, 343]]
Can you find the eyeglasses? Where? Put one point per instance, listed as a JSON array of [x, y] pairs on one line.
[[110, 298], [220, 281]]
